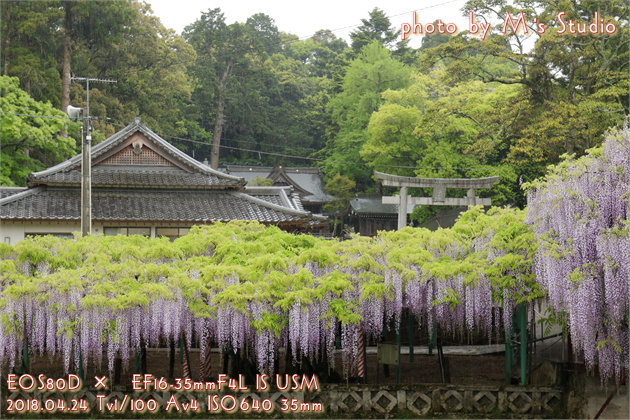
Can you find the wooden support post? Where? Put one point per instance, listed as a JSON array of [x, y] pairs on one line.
[[410, 337], [25, 365], [117, 370], [444, 365], [143, 359], [171, 360], [361, 353], [81, 371], [136, 364], [398, 365]]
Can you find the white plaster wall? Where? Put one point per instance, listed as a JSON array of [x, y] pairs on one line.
[[16, 231], [11, 232]]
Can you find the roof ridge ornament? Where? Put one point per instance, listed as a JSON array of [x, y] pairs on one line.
[[137, 146]]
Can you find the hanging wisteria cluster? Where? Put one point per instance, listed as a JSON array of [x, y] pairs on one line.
[[580, 217], [245, 287]]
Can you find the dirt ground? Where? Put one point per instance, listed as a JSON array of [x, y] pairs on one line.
[[487, 369]]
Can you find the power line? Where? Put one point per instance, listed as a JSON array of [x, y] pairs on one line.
[[121, 124], [260, 152], [117, 123], [390, 16], [37, 116], [326, 160], [237, 140]]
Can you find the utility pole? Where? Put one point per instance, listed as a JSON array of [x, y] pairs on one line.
[[86, 157]]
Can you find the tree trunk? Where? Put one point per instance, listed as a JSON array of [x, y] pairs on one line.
[[218, 129], [220, 118], [67, 42], [7, 39]]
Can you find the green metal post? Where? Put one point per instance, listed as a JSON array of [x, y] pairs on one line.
[[521, 314], [433, 339]]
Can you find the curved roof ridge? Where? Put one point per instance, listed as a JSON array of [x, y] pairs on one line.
[[21, 195], [122, 135], [265, 203]]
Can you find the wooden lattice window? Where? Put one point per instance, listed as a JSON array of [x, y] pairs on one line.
[[171, 232], [113, 231], [137, 156]]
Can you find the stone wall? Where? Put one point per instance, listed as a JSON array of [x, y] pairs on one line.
[[355, 401]]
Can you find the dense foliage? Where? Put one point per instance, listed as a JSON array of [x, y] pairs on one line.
[[256, 288], [29, 144], [580, 216], [572, 87]]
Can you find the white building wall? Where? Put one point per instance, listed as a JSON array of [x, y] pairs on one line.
[[13, 232]]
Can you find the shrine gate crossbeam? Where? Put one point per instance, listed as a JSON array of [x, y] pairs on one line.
[[439, 185]]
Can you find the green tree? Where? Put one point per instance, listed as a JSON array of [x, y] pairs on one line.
[[230, 62], [461, 131], [258, 181], [320, 53], [434, 39], [30, 42], [44, 42], [378, 28], [265, 33], [152, 68], [369, 75], [343, 189], [29, 134], [576, 84], [88, 27]]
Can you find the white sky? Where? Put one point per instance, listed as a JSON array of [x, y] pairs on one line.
[[305, 17]]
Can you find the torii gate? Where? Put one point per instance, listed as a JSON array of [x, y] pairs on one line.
[[439, 185]]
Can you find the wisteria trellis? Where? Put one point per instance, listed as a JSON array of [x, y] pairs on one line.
[[246, 286], [580, 217], [243, 286]]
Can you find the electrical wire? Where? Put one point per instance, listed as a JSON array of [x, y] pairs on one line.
[[37, 116], [260, 152], [390, 16], [329, 160]]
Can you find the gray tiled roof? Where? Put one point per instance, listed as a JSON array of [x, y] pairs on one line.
[[42, 203], [68, 172], [139, 176], [281, 196], [314, 183], [308, 179], [182, 190], [372, 205], [9, 191]]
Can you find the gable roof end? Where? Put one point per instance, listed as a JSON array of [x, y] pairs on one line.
[[59, 174]]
